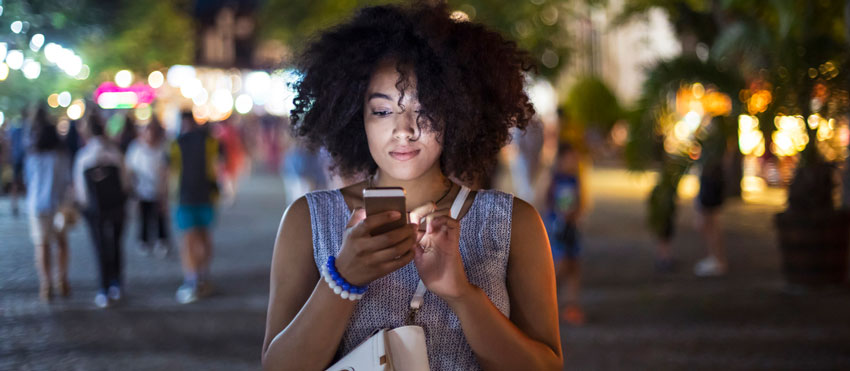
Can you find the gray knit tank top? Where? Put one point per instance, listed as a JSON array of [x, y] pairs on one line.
[[485, 235]]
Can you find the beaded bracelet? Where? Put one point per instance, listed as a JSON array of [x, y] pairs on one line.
[[338, 284]]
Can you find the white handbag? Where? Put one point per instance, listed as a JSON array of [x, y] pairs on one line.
[[402, 348]]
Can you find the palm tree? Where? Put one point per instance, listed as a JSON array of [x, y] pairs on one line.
[[798, 46]]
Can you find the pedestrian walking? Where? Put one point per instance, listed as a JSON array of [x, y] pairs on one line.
[[99, 184], [147, 169], [127, 134], [407, 97], [47, 182], [195, 157], [18, 137], [563, 209]]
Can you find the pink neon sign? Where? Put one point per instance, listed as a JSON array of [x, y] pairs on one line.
[[144, 93]]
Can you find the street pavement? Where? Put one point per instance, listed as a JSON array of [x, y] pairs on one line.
[[636, 319]]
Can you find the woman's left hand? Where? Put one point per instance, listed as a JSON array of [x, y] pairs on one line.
[[438, 257]]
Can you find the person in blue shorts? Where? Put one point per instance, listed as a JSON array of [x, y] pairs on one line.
[[195, 156], [563, 208]]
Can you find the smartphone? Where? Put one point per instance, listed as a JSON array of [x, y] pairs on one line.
[[378, 200]]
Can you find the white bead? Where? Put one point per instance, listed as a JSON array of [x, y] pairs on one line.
[[328, 279], [352, 297], [344, 294], [337, 290]]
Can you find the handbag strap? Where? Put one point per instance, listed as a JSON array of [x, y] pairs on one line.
[[419, 295]]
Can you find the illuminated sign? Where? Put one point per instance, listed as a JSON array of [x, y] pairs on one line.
[[111, 96]]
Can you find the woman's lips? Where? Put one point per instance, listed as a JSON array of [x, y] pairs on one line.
[[404, 155]]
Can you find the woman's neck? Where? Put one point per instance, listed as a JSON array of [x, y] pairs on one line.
[[431, 186]]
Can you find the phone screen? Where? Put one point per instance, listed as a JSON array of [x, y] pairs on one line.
[[378, 200]]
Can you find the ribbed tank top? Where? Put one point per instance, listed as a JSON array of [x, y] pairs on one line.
[[485, 235]]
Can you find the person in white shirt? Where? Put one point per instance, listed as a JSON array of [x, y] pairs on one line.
[[99, 187], [47, 180], [147, 167]]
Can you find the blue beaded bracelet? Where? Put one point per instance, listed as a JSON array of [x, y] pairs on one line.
[[338, 284]]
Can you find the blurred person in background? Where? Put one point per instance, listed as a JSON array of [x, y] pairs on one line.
[[271, 141], [195, 157], [18, 137], [529, 143], [563, 209], [709, 201], [100, 188], [233, 156], [47, 181], [73, 141], [147, 168], [127, 134], [303, 170]]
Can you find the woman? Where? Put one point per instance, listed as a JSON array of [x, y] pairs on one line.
[[146, 165], [47, 180], [411, 99]]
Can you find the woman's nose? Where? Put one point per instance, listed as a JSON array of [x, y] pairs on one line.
[[405, 125]]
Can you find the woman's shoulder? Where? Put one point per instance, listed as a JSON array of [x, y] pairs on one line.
[[496, 203], [503, 205]]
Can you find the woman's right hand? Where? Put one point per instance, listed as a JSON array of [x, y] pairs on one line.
[[364, 258]]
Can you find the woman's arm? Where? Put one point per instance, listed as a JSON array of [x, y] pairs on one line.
[[530, 339], [300, 338], [306, 319]]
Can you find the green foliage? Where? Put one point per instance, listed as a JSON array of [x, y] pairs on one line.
[[661, 81], [108, 36], [537, 25], [144, 36], [662, 199], [592, 103]]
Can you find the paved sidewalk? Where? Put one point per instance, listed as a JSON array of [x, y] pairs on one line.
[[149, 330], [636, 319]]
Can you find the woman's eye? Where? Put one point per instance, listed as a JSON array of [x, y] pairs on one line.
[[381, 113]]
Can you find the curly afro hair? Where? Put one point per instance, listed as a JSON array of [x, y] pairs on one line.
[[469, 82]]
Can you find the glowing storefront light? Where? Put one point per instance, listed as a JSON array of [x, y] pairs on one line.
[[84, 73], [31, 69], [64, 99], [15, 59], [76, 110], [117, 100], [52, 52], [124, 78], [53, 100], [36, 42], [191, 88], [155, 79], [143, 112], [201, 97], [257, 85], [244, 103], [750, 138], [179, 74], [111, 96]]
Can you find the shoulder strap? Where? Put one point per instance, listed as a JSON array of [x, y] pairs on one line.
[[419, 295]]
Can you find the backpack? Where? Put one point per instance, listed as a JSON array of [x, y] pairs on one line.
[[105, 193]]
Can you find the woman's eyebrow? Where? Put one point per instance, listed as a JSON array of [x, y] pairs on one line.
[[379, 95]]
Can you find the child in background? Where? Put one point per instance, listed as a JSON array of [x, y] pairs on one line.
[[563, 209]]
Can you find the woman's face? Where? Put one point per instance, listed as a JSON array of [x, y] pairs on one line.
[[401, 150]]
